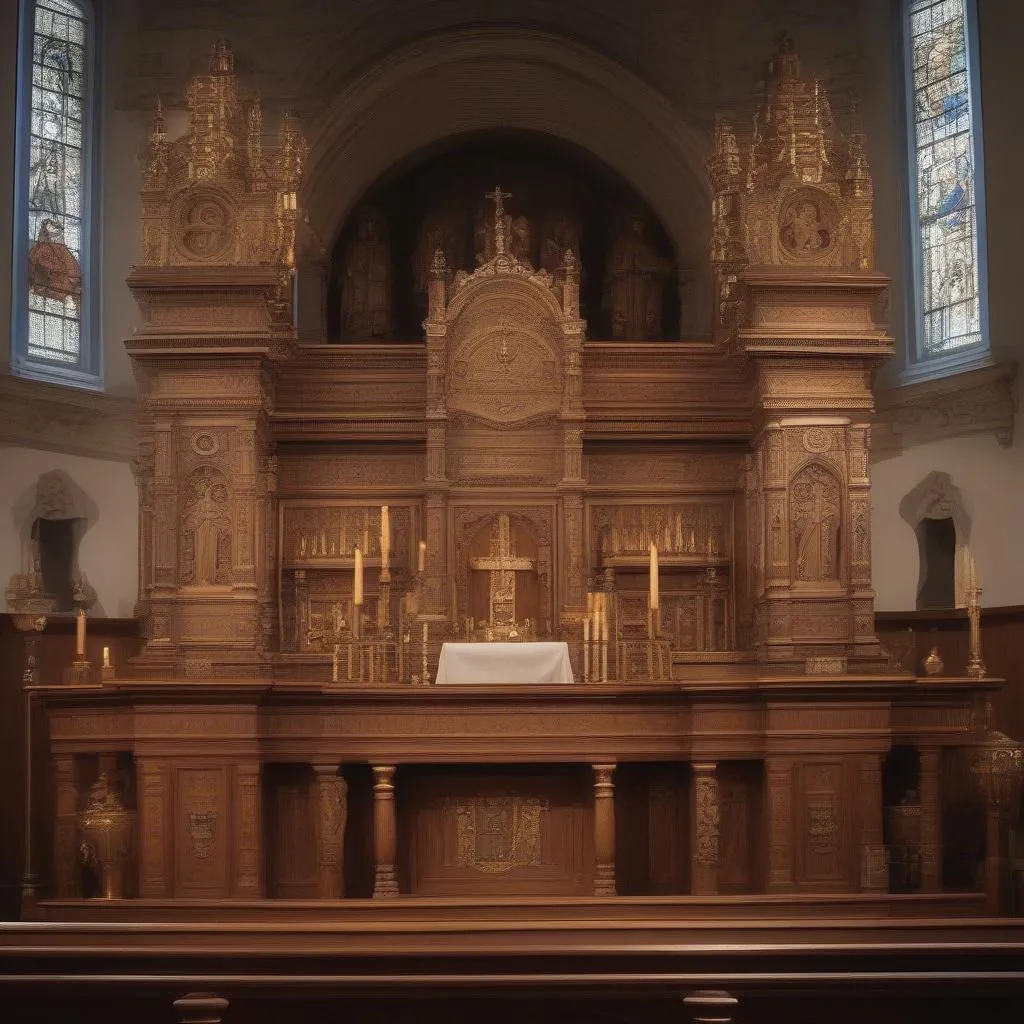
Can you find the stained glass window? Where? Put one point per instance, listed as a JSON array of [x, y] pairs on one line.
[[53, 270], [945, 179]]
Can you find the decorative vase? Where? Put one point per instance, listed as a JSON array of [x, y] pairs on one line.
[[108, 839], [933, 663]]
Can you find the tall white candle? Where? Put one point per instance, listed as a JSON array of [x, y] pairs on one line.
[[106, 657], [421, 562], [357, 580], [654, 576], [385, 535], [80, 634]]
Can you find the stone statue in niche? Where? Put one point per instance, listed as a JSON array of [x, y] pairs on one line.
[[207, 530], [366, 281], [561, 234], [635, 281], [816, 503], [444, 230]]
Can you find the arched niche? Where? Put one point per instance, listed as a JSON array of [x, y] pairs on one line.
[[935, 511], [559, 197], [453, 84], [52, 519]]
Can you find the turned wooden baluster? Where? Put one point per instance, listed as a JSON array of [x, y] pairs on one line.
[[385, 831], [604, 830]]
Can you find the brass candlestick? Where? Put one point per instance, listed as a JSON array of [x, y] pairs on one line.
[[975, 666]]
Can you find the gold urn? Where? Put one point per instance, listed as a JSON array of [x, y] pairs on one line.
[[108, 839]]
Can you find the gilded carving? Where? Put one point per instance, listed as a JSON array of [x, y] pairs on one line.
[[497, 834]]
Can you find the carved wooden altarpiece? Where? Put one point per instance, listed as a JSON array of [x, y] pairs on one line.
[[732, 738]]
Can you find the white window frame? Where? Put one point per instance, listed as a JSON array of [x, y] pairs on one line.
[[918, 364], [87, 372]]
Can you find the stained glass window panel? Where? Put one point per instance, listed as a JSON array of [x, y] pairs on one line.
[[944, 145], [56, 178]]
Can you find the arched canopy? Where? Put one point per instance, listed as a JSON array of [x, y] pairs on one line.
[[492, 78]]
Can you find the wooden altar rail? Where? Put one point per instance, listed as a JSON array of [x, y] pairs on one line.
[[623, 966]]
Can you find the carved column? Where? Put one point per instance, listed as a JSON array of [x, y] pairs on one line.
[[814, 341], [604, 830], [331, 815], [874, 870], [931, 820], [704, 825], [154, 858], [248, 825], [385, 832], [996, 866], [779, 808], [200, 1008], [65, 847]]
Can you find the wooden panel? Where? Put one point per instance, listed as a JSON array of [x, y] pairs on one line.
[[740, 854], [822, 825], [202, 832], [292, 830], [498, 833]]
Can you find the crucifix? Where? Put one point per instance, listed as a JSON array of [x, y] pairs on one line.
[[503, 564], [499, 198]]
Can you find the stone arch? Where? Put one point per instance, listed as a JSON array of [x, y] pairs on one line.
[[937, 497], [471, 80]]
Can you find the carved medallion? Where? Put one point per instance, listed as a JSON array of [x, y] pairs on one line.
[[807, 225], [203, 227]]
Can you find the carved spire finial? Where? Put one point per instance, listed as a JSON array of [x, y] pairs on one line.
[[499, 198]]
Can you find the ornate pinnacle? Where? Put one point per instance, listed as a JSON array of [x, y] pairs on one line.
[[499, 198]]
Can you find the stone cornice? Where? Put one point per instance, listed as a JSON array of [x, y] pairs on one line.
[[70, 420], [981, 401]]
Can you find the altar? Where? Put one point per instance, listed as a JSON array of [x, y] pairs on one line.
[[680, 526], [538, 662]]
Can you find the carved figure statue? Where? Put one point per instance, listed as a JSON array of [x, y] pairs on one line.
[[440, 230], [518, 236], [366, 283], [635, 280], [560, 234], [207, 519], [815, 501]]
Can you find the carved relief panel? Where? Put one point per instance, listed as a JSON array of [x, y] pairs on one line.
[[202, 839]]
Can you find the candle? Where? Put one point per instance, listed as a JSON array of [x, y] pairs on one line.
[[106, 657], [357, 581], [654, 577], [422, 562], [385, 535], [80, 634], [334, 664]]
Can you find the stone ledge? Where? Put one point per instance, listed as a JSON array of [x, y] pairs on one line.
[[49, 417], [980, 401]]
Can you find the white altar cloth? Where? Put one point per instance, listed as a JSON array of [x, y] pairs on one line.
[[542, 662]]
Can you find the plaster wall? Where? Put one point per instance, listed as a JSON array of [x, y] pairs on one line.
[[109, 548]]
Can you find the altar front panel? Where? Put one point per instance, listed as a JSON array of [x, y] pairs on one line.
[[498, 833]]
